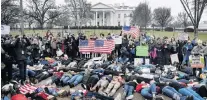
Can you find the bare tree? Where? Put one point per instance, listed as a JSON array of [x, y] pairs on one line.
[[80, 11], [9, 12], [42, 11], [182, 18], [142, 15], [194, 10], [162, 16], [65, 18]]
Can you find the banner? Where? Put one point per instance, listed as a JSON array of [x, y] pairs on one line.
[[182, 36], [142, 51], [138, 61], [117, 39], [5, 29], [196, 61], [174, 58]]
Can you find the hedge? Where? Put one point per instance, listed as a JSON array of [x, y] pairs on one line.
[[97, 27], [169, 29], [188, 30]]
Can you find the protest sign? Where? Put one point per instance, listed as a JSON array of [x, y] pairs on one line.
[[138, 61], [182, 36], [174, 58], [117, 39], [142, 51], [5, 29], [196, 61]]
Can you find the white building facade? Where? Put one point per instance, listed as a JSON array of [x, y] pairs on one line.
[[107, 15]]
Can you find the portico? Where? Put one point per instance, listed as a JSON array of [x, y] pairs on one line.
[[103, 15], [108, 15]]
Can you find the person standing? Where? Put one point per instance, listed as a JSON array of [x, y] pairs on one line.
[[20, 45], [8, 59]]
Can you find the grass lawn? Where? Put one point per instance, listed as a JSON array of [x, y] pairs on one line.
[[88, 32]]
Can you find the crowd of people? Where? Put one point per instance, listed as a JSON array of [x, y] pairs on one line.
[[28, 60]]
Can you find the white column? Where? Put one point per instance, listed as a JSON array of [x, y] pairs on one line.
[[96, 19], [111, 19], [103, 18]]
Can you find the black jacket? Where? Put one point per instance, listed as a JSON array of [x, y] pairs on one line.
[[20, 48]]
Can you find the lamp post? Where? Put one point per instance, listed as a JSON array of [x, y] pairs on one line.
[[21, 18]]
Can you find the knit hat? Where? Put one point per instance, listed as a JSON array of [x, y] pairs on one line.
[[19, 97]]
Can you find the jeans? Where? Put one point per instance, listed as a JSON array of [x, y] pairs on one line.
[[53, 92], [172, 93], [98, 96], [30, 73], [22, 69], [148, 92], [73, 95], [128, 89], [65, 79], [183, 81], [122, 60], [98, 71], [75, 79], [205, 60], [55, 63], [190, 92], [167, 80]]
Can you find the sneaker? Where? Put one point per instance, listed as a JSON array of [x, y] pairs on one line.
[[118, 97], [159, 97], [189, 98], [83, 86], [124, 96], [129, 97]]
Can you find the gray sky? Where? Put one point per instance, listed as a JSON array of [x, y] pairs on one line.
[[175, 5]]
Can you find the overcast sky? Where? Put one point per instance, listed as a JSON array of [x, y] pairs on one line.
[[175, 5]]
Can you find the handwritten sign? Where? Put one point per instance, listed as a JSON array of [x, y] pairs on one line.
[[182, 36], [117, 39], [142, 51], [174, 58], [5, 29]]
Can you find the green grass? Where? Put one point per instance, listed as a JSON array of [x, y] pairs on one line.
[[88, 32]]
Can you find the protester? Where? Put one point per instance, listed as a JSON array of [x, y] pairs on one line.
[[58, 59]]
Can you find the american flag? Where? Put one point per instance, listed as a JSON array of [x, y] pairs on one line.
[[132, 30], [104, 46], [86, 46], [27, 89]]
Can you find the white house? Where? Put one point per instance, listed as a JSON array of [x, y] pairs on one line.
[[109, 15]]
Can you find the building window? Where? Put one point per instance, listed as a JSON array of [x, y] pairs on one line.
[[125, 15], [130, 15], [118, 23], [97, 23], [97, 15], [119, 15]]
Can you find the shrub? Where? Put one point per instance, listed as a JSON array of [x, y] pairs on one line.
[[169, 29], [188, 30]]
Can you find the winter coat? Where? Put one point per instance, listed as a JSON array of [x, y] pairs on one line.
[[20, 48], [196, 49], [204, 50]]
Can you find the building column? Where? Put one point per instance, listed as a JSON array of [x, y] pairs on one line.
[[103, 18], [96, 19], [111, 19]]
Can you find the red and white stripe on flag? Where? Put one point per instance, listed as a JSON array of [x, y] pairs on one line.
[[89, 48], [134, 31], [106, 48], [27, 89]]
